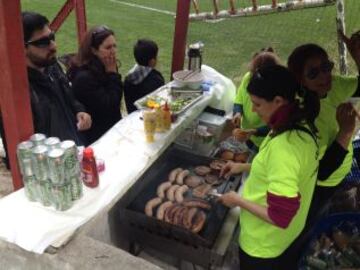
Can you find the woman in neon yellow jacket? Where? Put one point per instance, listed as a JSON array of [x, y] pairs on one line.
[[244, 117], [336, 121], [276, 196]]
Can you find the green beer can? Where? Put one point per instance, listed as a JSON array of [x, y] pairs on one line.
[[23, 153], [38, 139], [61, 197], [72, 166], [76, 187], [56, 166], [40, 162], [52, 143]]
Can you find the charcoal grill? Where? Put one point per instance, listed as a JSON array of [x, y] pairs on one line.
[[148, 231]]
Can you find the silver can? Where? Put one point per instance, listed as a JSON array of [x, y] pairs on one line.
[[30, 188], [76, 187], [61, 197], [38, 139], [23, 153], [40, 162], [52, 143], [72, 166], [56, 166], [45, 193]]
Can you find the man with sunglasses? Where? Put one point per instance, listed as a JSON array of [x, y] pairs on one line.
[[55, 110]]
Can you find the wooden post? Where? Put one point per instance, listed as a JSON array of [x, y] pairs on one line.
[[180, 33], [340, 25], [14, 94], [80, 12], [62, 15]]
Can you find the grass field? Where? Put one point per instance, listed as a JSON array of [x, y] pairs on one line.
[[229, 43]]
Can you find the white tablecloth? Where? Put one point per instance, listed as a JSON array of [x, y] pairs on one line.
[[34, 227]]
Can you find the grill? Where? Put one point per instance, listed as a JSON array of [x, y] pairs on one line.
[[174, 240]]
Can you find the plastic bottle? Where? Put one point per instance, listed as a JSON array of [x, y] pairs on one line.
[[91, 176], [159, 119], [166, 117]]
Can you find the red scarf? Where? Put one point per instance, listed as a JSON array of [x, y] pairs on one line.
[[281, 116]]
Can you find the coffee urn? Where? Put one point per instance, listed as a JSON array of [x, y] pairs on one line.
[[195, 56]]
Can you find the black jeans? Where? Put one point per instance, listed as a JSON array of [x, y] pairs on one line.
[[286, 261]]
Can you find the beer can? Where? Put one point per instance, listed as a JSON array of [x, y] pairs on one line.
[[38, 139], [56, 166], [76, 187], [23, 153], [72, 166], [44, 188], [30, 188], [52, 143], [61, 197], [40, 162]]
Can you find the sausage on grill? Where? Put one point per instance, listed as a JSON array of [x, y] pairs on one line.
[[181, 176], [197, 203], [162, 209], [162, 188], [202, 170], [151, 204], [173, 174], [170, 193], [179, 193], [193, 181], [198, 222]]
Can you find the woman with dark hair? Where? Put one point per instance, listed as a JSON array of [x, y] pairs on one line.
[[243, 116], [96, 81], [276, 195], [336, 121]]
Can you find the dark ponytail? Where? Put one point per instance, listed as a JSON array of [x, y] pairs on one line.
[[303, 107]]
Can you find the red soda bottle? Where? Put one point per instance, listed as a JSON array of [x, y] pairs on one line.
[[91, 176]]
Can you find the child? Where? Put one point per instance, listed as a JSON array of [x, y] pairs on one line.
[[143, 78]]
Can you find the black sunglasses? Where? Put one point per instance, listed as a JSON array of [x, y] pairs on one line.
[[42, 42], [325, 67]]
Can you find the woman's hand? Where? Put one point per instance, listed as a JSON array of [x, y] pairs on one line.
[[236, 120], [231, 168], [230, 199], [110, 63], [242, 135], [346, 118], [353, 45]]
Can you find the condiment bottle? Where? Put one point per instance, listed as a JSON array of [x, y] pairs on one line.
[[166, 117], [159, 119], [91, 176], [149, 117]]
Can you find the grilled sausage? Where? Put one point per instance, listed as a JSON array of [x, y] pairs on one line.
[[162, 209], [162, 188], [179, 216], [198, 222], [170, 212], [188, 217], [170, 193], [179, 193], [197, 203], [212, 179], [181, 176], [151, 204], [173, 174], [201, 191]]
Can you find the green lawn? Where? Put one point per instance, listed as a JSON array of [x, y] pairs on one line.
[[229, 43]]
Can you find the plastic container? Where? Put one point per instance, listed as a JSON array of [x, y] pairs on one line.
[[166, 117], [91, 176], [214, 123]]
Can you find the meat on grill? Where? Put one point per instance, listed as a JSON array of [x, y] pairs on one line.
[[201, 191], [179, 193], [202, 170], [162, 209], [181, 176], [217, 164], [199, 203], [162, 188], [170, 193], [212, 179], [151, 204], [198, 221], [193, 181], [173, 174]]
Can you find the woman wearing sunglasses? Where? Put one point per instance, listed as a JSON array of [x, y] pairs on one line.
[[336, 121], [96, 81], [276, 195]]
